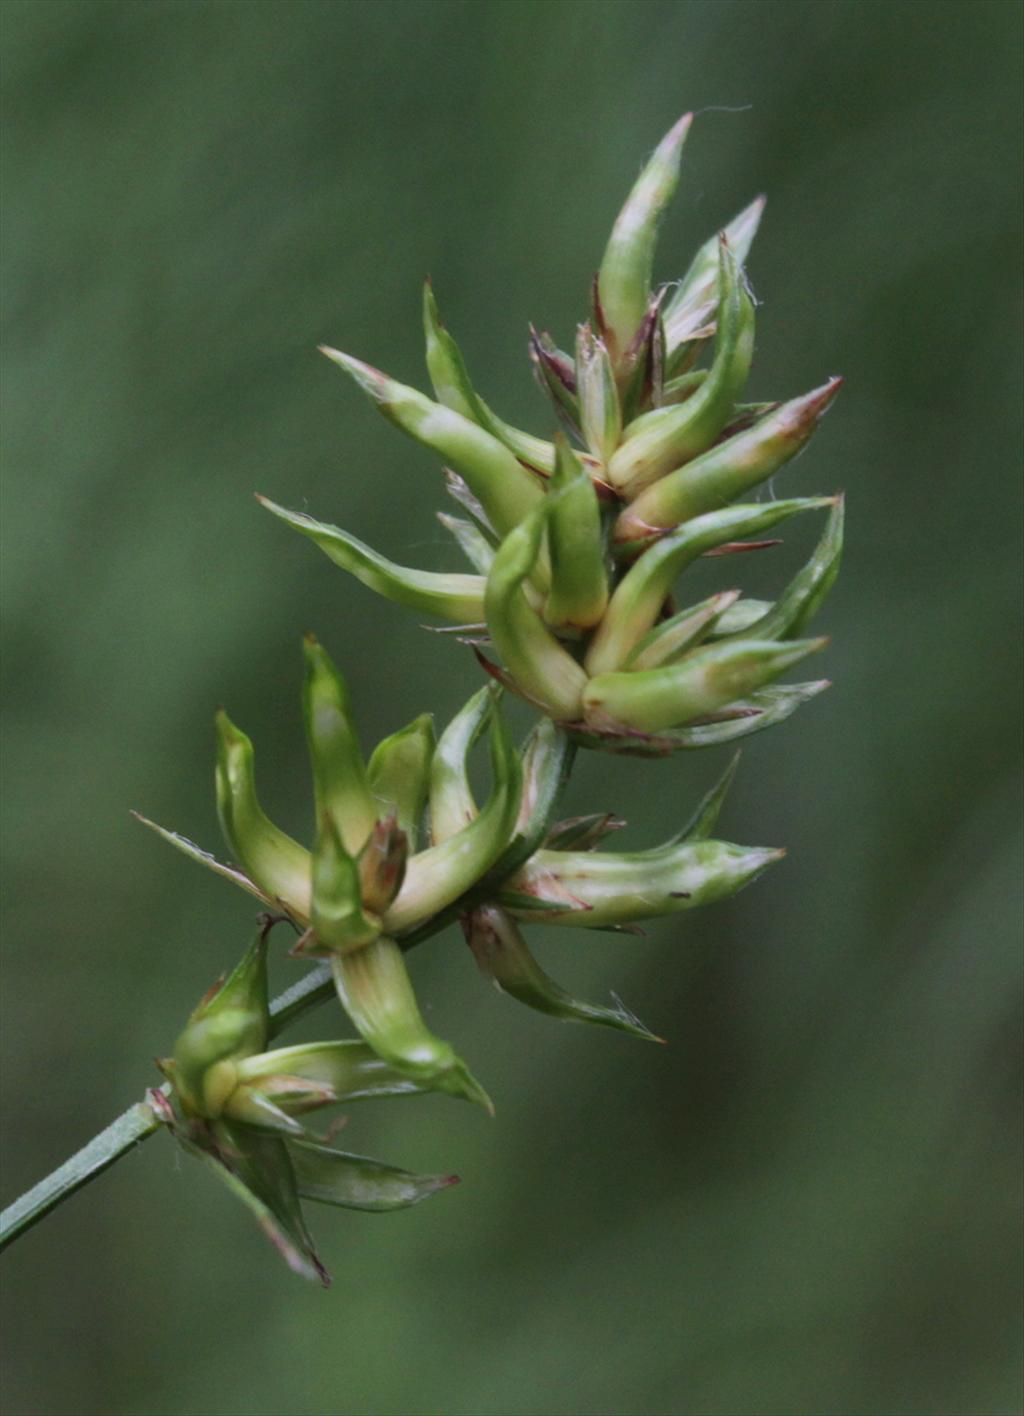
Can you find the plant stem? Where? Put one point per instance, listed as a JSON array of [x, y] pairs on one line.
[[121, 1136], [140, 1121], [307, 993]]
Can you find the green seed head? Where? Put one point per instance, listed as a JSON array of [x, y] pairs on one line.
[[577, 538]]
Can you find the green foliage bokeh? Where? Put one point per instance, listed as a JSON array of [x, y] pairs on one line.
[[807, 1202]]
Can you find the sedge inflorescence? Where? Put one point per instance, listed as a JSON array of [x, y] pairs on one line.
[[576, 545]]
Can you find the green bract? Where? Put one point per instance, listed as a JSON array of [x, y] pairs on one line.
[[648, 460]]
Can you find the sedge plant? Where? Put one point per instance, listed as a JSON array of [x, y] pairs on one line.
[[573, 600]]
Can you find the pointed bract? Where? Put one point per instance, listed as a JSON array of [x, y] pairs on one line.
[[677, 635], [762, 709], [398, 774], [231, 1022], [705, 680], [446, 366], [454, 388], [452, 806], [739, 616], [592, 889], [802, 598], [600, 410], [624, 280], [579, 580], [729, 470], [556, 376], [642, 368], [504, 957], [355, 1182], [506, 489], [376, 992], [679, 389], [636, 603], [435, 878], [339, 774], [693, 301], [470, 540], [348, 1070], [279, 866], [196, 853], [660, 441], [547, 760], [543, 670], [705, 818], [582, 833], [253, 1106], [339, 919], [456, 597], [460, 491], [256, 1169]]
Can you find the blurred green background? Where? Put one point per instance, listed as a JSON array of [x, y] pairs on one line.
[[808, 1202]]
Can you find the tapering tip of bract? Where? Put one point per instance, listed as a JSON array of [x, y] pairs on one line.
[[741, 231], [820, 398], [371, 380], [457, 1080], [758, 859], [753, 861], [473, 1091], [430, 308], [229, 734], [677, 133]]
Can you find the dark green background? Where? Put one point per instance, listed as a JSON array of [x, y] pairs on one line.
[[808, 1201]]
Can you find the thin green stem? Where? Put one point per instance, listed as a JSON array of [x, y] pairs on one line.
[[307, 993], [140, 1121], [121, 1136]]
